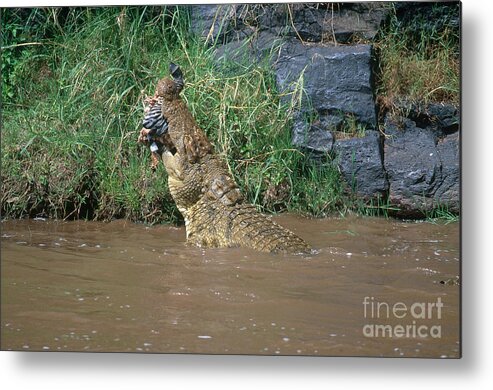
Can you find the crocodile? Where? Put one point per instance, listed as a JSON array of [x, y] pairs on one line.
[[215, 211]]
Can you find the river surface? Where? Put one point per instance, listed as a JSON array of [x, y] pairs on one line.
[[373, 287]]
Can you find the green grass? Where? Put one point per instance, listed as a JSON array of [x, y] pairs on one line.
[[442, 215], [72, 103]]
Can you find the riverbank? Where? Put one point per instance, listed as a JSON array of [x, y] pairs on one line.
[[74, 81]]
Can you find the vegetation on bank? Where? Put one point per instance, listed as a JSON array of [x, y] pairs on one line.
[[73, 82], [419, 55]]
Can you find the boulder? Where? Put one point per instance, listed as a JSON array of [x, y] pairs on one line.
[[329, 22], [249, 50], [448, 190], [443, 118], [302, 21], [422, 169], [327, 83], [314, 137], [213, 22], [361, 166], [237, 52], [339, 23]]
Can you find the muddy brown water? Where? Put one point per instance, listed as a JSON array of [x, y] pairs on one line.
[[374, 287]]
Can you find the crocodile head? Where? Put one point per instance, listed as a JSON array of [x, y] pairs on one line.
[[184, 135], [155, 123], [170, 89]]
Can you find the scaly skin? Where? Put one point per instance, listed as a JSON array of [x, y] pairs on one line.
[[215, 211]]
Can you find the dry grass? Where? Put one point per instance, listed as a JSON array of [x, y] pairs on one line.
[[420, 67]]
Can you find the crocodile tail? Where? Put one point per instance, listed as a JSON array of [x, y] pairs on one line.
[[252, 229], [210, 223]]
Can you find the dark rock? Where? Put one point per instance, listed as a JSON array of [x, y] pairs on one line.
[[307, 22], [448, 190], [336, 79], [213, 22], [267, 44], [347, 22], [444, 118], [329, 22], [331, 83], [361, 165], [340, 22], [250, 50], [316, 137], [235, 51], [422, 175], [413, 167]]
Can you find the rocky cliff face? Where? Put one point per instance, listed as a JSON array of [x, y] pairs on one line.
[[410, 159]]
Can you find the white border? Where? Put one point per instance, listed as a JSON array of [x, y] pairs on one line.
[[124, 371]]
